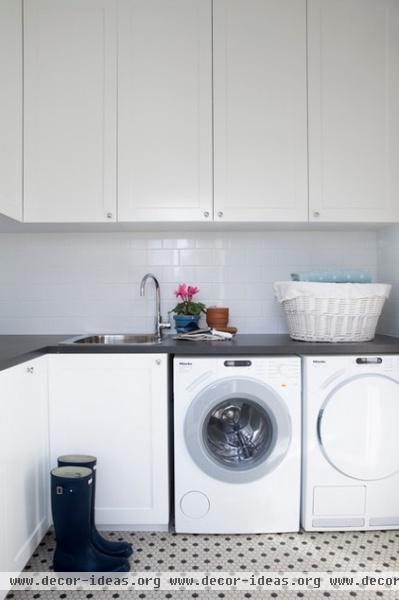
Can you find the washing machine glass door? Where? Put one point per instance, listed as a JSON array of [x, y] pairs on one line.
[[358, 427], [237, 430]]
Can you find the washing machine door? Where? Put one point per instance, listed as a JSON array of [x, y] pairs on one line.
[[358, 427], [237, 430]]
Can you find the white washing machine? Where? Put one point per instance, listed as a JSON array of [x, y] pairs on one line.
[[350, 442], [237, 444]]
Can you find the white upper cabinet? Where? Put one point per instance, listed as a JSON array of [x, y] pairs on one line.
[[199, 110], [165, 110], [11, 108], [260, 119], [70, 110], [354, 110]]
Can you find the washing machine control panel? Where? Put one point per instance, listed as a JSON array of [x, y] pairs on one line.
[[237, 363], [281, 372], [368, 360]]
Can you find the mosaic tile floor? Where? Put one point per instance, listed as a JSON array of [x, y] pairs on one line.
[[357, 551]]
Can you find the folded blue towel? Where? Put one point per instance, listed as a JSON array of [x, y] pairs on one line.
[[354, 276]]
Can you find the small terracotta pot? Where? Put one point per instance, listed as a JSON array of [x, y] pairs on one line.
[[217, 317]]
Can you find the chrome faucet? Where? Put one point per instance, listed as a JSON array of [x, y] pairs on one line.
[[159, 324]]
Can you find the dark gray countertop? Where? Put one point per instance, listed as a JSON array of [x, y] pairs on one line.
[[15, 349]]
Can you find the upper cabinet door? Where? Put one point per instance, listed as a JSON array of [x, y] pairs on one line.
[[354, 110], [70, 110], [11, 108], [260, 110], [165, 110]]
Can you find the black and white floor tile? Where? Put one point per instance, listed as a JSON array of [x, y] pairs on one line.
[[341, 551]]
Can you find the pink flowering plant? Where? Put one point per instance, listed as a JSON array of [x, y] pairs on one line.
[[186, 294]]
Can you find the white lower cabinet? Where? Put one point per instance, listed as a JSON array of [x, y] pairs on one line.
[[115, 406], [24, 462]]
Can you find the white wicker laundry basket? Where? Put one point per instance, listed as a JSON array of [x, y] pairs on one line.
[[332, 312]]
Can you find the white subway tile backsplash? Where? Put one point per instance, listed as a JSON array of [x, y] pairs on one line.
[[87, 282], [163, 257], [388, 272], [196, 257], [177, 243]]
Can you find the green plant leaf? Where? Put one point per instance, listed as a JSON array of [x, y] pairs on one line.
[[189, 308]]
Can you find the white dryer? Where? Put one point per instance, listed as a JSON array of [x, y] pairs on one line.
[[237, 444], [350, 442]]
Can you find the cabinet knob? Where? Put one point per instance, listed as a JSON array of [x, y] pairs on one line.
[[220, 214], [316, 213], [206, 214], [109, 215]]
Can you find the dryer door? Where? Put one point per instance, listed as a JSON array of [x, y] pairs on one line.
[[237, 430], [358, 427]]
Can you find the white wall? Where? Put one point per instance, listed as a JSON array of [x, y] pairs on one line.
[[388, 272], [89, 282]]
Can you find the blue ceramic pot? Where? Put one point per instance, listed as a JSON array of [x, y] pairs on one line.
[[186, 323]]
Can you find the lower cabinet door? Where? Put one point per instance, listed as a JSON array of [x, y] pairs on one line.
[[24, 462], [4, 562], [115, 407]]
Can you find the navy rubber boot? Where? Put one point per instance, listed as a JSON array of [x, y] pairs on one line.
[[123, 549], [71, 498]]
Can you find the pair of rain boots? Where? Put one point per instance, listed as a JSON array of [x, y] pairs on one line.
[[79, 546]]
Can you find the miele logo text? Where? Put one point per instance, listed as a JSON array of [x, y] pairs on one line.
[[185, 364], [319, 362]]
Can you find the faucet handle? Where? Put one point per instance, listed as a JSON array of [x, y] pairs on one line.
[[161, 326]]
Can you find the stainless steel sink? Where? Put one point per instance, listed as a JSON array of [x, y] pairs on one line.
[[115, 339]]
